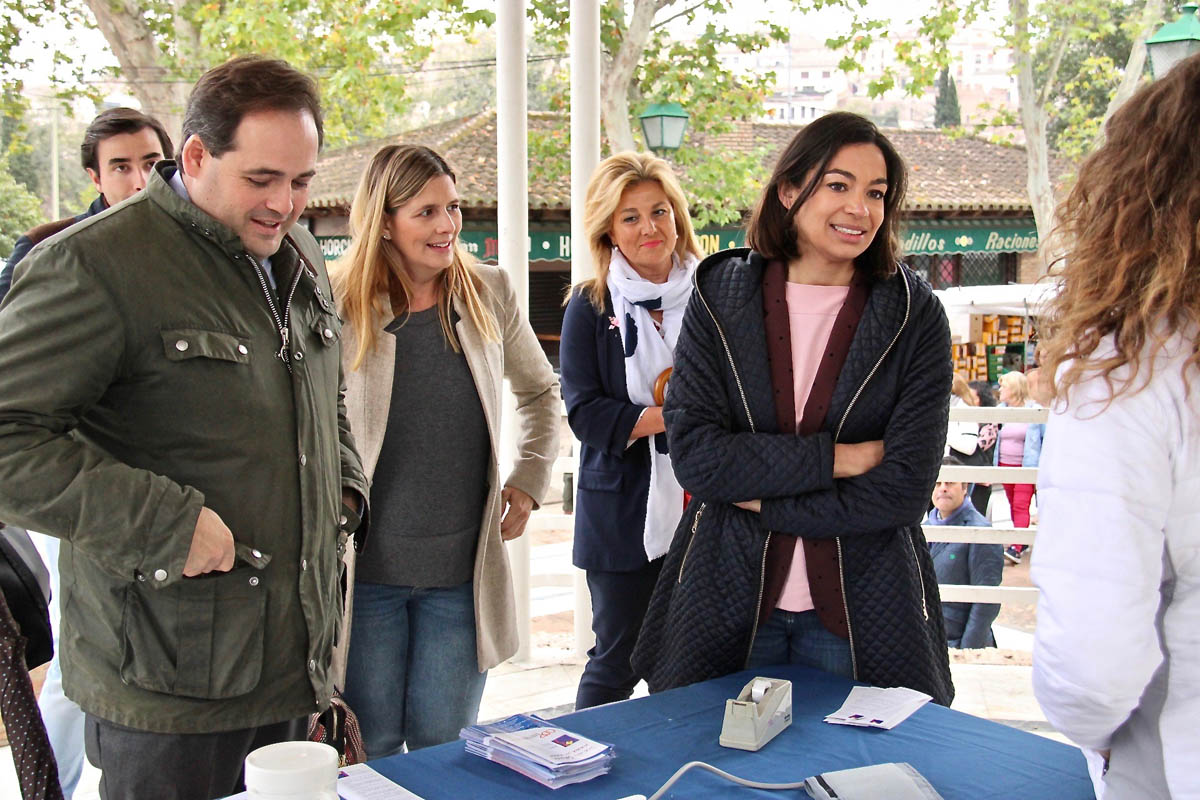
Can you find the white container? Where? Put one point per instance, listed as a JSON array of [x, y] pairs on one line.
[[292, 770]]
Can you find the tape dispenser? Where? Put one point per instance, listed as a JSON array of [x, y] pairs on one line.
[[761, 710]]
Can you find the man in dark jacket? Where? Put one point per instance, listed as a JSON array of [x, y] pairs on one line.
[[119, 149], [171, 407], [968, 625]]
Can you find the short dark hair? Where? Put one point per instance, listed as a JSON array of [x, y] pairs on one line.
[[952, 461], [771, 229], [114, 122], [242, 85], [984, 390]]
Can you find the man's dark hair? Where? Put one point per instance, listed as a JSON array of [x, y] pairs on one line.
[[952, 461], [772, 231], [243, 85], [114, 122], [984, 390]]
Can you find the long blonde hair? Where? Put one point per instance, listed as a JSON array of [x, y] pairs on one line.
[[370, 281], [960, 387], [612, 177], [1132, 271]]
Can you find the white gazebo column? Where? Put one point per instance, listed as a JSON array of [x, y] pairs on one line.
[[512, 222], [585, 155]]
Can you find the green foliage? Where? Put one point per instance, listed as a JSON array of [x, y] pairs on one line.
[[690, 73], [720, 185], [361, 52], [1095, 37], [1091, 66], [946, 113], [25, 144], [20, 210]]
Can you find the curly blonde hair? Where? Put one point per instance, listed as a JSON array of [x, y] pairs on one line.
[[1130, 222]]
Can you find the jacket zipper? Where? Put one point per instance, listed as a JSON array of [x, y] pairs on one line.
[[281, 322], [762, 576], [920, 577], [695, 525], [836, 435]]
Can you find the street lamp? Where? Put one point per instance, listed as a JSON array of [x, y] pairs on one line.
[[663, 125], [1174, 41]]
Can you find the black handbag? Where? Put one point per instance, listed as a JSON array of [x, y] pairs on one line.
[[25, 582]]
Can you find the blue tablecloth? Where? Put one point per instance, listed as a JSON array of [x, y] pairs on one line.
[[964, 757]]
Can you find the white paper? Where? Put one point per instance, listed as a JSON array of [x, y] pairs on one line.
[[550, 746], [871, 707], [360, 782]]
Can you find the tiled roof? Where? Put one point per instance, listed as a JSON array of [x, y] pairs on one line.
[[947, 173]]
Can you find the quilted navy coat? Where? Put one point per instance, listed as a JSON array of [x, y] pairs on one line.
[[722, 427]]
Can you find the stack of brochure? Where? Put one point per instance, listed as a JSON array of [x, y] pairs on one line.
[[871, 707], [540, 750]]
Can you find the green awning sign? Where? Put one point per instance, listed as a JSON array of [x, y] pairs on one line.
[[941, 240], [917, 239]]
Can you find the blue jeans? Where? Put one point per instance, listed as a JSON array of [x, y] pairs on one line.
[[798, 637], [412, 675]]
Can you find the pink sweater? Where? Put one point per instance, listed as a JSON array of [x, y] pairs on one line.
[[811, 312]]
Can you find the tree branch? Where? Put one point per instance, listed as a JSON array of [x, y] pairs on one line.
[[1135, 65], [664, 3], [1055, 63]]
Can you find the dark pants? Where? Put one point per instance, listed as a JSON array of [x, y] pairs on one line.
[[619, 601], [138, 764]]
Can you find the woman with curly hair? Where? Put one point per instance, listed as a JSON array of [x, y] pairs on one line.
[[1116, 655]]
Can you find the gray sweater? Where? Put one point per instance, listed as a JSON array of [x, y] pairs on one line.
[[430, 483]]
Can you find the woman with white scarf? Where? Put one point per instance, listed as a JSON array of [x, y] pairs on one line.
[[618, 336]]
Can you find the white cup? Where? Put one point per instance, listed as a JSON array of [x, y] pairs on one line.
[[294, 770]]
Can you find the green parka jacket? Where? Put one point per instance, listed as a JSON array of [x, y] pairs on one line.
[[141, 378]]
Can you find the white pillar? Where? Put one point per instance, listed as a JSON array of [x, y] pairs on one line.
[[585, 155], [512, 221], [585, 124]]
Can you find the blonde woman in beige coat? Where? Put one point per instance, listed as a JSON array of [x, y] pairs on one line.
[[428, 340]]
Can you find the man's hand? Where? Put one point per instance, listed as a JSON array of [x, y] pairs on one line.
[[517, 506], [852, 460], [212, 546], [751, 505]]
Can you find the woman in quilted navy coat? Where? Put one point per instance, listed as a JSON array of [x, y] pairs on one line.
[[807, 416]]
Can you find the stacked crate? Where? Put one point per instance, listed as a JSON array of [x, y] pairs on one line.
[[996, 345]]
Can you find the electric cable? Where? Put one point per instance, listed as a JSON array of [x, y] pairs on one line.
[[734, 778]]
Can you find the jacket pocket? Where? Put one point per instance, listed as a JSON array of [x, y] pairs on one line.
[[599, 480], [184, 344], [326, 329], [200, 637]]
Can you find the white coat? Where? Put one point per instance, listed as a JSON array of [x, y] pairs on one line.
[[1117, 649]]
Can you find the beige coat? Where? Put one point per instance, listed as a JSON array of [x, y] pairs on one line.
[[519, 358]]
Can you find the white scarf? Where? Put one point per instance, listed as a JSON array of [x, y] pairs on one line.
[[647, 354]]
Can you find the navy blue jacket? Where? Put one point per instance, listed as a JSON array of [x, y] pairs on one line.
[[963, 564], [27, 240], [726, 447], [613, 480]]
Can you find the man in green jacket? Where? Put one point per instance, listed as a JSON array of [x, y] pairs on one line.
[[171, 408]]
